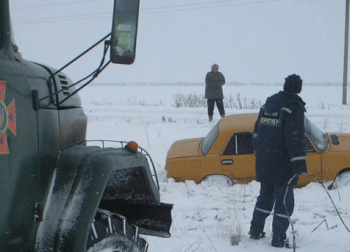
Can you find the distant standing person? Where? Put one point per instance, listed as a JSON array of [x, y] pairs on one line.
[[280, 157], [214, 81]]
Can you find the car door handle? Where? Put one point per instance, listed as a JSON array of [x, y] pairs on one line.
[[227, 162]]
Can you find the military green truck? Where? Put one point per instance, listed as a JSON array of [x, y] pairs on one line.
[[58, 192]]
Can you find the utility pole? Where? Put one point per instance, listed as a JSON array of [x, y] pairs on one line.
[[346, 45]]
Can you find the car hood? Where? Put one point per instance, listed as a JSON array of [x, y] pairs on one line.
[[340, 142], [184, 148]]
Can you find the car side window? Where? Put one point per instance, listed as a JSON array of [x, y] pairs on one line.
[[307, 145], [240, 144]]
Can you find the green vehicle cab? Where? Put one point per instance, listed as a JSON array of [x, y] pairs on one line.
[[59, 192]]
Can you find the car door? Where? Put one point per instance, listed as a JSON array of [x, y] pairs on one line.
[[238, 157]]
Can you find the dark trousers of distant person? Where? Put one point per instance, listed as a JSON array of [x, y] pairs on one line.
[[219, 104]]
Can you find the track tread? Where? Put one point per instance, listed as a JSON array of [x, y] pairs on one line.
[[115, 229]]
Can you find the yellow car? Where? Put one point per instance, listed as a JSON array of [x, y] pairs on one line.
[[227, 153]]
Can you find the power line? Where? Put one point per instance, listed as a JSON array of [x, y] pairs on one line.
[[156, 10], [217, 4], [63, 18], [53, 4]]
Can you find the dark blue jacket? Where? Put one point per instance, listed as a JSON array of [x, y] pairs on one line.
[[278, 139]]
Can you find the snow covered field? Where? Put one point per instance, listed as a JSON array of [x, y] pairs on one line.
[[205, 216]]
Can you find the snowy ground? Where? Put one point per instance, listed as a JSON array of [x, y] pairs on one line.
[[205, 216]]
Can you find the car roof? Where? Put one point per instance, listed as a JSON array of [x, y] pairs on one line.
[[238, 122]]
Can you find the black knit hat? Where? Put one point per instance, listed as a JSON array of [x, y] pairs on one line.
[[293, 83]]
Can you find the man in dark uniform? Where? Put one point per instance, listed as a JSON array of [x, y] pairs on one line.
[[214, 80], [280, 156]]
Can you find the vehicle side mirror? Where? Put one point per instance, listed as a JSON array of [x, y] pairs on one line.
[[124, 31]]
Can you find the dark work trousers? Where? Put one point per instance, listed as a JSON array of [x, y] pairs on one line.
[[271, 195], [219, 104]]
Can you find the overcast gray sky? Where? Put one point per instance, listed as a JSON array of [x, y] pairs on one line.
[[260, 41]]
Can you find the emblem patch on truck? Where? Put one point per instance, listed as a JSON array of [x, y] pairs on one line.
[[7, 119]]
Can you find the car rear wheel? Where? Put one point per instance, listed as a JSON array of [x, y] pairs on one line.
[[218, 180], [111, 233]]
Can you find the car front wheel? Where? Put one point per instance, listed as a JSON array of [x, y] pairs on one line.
[[341, 180]]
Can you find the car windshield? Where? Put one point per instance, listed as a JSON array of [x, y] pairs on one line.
[[316, 135], [210, 139]]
